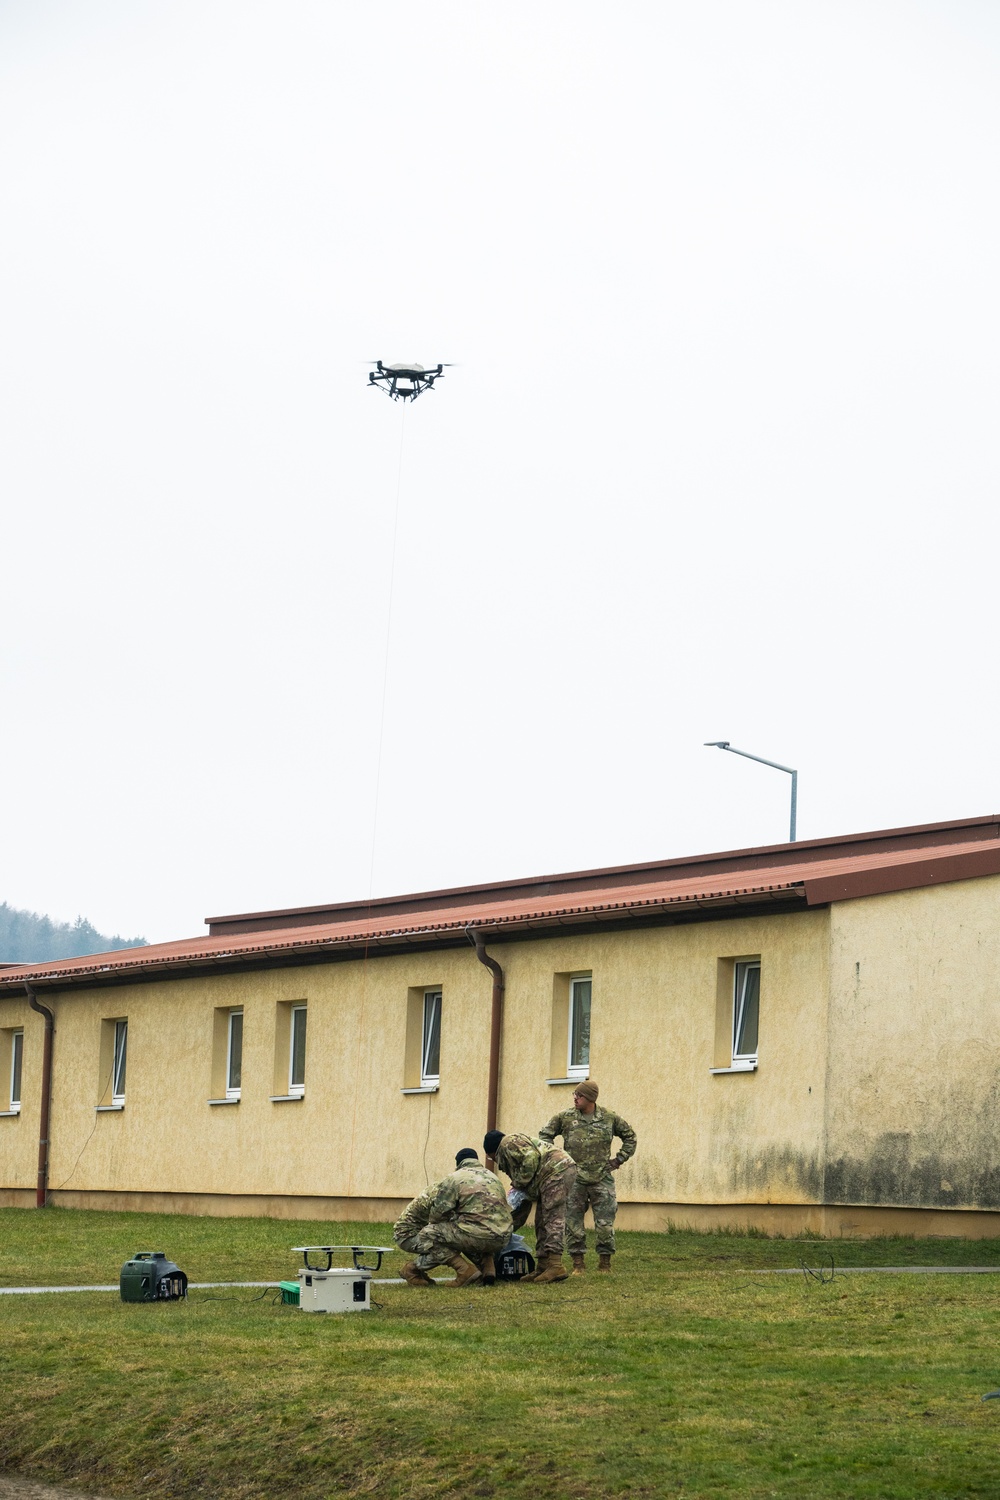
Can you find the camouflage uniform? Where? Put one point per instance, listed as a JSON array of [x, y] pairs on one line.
[[546, 1175], [413, 1218], [587, 1138], [467, 1214]]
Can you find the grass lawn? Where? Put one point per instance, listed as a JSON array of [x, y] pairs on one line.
[[687, 1372]]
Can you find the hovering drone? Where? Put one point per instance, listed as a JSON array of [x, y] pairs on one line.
[[403, 382]]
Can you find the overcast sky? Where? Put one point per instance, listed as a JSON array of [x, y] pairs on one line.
[[718, 458]]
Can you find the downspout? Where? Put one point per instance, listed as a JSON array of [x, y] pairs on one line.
[[42, 1190], [496, 1020]]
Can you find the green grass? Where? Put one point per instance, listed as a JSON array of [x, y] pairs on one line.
[[684, 1373]]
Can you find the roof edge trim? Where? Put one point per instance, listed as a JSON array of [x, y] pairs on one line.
[[884, 879]]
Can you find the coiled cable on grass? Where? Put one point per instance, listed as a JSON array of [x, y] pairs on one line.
[[821, 1274]]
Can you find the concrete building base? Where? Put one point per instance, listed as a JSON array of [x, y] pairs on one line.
[[826, 1221], [17, 1197]]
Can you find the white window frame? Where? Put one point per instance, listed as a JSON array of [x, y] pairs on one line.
[[432, 998], [16, 1070], [233, 1091], [119, 1066], [741, 969], [578, 1070], [295, 1090]]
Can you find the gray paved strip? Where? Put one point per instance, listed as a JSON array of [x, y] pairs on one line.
[[28, 1291], [878, 1270]]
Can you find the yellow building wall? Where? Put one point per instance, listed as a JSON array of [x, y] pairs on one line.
[[703, 1138], [19, 1133], [355, 1138], [913, 1090]]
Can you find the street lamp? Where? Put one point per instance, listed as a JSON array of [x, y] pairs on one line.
[[725, 745]]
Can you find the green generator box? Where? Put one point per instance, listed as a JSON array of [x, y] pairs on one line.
[[289, 1293], [150, 1277]]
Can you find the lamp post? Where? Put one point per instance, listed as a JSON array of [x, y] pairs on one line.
[[725, 745]]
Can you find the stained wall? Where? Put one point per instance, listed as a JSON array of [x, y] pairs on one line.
[[913, 1082]]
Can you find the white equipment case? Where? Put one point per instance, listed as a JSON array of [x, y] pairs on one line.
[[338, 1289]]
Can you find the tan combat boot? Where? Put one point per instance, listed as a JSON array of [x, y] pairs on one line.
[[578, 1267], [489, 1270], [465, 1271], [413, 1276], [604, 1263], [550, 1269]]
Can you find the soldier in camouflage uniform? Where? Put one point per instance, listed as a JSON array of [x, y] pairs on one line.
[[467, 1222], [414, 1217], [587, 1132], [546, 1176]]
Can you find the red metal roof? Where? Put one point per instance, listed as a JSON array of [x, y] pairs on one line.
[[740, 863], [796, 883]]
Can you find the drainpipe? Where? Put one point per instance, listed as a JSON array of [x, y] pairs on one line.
[[496, 1018], [42, 1190]]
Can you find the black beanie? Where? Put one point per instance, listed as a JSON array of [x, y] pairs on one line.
[[491, 1141], [466, 1154]]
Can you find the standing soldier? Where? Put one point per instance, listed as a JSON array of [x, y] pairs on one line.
[[461, 1221], [587, 1131], [546, 1176]]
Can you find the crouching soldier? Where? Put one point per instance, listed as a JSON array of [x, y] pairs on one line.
[[546, 1176], [415, 1216], [462, 1221], [587, 1132]]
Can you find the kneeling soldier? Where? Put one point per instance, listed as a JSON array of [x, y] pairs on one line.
[[467, 1221], [546, 1176], [587, 1131]]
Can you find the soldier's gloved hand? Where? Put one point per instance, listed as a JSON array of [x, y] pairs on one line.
[[614, 1164]]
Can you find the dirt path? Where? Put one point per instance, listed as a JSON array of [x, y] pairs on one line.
[[14, 1487]]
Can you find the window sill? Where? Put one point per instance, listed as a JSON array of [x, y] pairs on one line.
[[425, 1088], [109, 1109], [223, 1101], [10, 1114], [577, 1078], [278, 1099], [737, 1067]]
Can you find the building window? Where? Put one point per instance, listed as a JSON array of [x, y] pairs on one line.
[[297, 1051], [16, 1054], [118, 1070], [746, 1010], [579, 1027], [430, 1053], [234, 1054]]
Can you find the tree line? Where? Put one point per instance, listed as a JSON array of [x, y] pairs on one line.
[[28, 938]]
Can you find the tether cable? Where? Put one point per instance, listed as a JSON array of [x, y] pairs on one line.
[[385, 664], [378, 787]]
